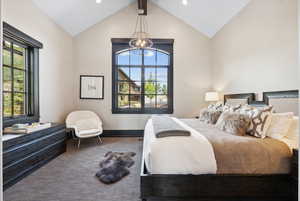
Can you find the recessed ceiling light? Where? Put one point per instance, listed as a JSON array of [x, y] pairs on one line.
[[185, 2], [98, 1]]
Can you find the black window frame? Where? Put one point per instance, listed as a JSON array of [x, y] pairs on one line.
[[10, 33], [119, 44]]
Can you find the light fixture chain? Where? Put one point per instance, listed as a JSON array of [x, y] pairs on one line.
[[140, 38]]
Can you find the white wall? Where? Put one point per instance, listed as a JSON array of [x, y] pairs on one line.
[[56, 67], [192, 72], [258, 50]]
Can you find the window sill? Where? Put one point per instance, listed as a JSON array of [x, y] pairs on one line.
[[152, 111]]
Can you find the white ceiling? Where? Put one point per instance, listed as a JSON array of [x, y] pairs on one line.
[[76, 16], [207, 16]]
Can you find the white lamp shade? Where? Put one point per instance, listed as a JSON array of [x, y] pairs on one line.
[[212, 96]]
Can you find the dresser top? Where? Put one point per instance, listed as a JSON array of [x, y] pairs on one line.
[[13, 139]]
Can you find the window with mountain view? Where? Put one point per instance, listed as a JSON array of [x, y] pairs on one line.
[[142, 79]]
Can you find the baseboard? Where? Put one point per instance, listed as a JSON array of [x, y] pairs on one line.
[[123, 133]]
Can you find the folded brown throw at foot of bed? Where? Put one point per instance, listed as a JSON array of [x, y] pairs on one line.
[[166, 127]]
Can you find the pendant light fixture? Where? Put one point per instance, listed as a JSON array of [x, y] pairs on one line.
[[140, 38]]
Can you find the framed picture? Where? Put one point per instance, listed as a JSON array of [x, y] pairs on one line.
[[91, 87]]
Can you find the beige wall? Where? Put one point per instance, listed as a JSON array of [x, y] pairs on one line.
[[192, 72], [258, 50], [56, 67]]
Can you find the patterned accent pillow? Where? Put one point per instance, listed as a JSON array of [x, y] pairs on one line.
[[233, 122], [231, 108], [209, 116], [222, 108], [216, 107], [260, 119]]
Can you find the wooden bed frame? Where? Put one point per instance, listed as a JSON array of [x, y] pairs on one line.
[[219, 187]]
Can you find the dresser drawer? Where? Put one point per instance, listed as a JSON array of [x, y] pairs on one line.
[[25, 165], [15, 153]]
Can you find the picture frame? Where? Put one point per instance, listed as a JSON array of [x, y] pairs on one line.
[[92, 87]]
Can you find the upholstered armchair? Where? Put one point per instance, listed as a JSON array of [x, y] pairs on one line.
[[86, 124]]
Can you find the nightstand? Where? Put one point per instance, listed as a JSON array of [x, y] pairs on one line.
[[294, 174]]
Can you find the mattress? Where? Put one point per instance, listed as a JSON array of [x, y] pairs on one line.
[[232, 154]]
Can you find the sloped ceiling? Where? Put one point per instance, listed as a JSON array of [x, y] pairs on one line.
[[206, 16]]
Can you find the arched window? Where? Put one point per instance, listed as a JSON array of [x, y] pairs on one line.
[[142, 79]]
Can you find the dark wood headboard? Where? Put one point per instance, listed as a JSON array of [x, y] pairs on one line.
[[280, 94], [249, 96], [267, 97]]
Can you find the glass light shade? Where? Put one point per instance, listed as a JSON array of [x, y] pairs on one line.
[[212, 96], [140, 38], [141, 42]]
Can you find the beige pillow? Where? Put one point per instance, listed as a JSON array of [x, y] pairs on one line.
[[233, 122], [209, 116], [293, 133], [280, 124]]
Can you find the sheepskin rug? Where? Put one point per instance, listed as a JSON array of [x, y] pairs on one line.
[[115, 166]]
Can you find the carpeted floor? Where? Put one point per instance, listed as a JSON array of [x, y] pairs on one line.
[[71, 176]]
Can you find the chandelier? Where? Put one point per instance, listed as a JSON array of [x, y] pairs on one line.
[[140, 38]]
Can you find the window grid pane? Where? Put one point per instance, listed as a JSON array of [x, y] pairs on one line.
[[7, 106], [7, 79], [19, 104], [19, 80], [123, 101]]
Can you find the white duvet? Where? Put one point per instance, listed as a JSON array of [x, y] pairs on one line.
[[179, 154]]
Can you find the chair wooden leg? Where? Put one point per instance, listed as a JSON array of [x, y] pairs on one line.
[[78, 145], [99, 139]]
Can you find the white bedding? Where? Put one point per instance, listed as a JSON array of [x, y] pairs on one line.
[[178, 154]]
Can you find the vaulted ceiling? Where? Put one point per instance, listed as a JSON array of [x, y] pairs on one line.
[[206, 16]]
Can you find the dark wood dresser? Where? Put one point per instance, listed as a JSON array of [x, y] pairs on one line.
[[294, 174], [25, 153]]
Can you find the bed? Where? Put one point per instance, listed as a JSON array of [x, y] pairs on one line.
[[179, 173]]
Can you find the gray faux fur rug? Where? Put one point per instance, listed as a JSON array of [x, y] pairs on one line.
[[115, 166]]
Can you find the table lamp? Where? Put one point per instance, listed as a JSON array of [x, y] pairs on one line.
[[212, 96]]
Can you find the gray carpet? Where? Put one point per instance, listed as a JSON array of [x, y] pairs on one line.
[[71, 176]]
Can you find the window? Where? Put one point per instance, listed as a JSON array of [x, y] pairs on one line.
[[142, 79], [20, 77], [15, 91]]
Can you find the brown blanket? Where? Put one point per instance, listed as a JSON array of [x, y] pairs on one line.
[[244, 154]]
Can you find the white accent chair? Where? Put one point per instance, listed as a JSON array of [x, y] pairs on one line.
[[86, 124]]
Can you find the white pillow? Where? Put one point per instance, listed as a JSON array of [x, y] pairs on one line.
[[280, 125], [293, 132]]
